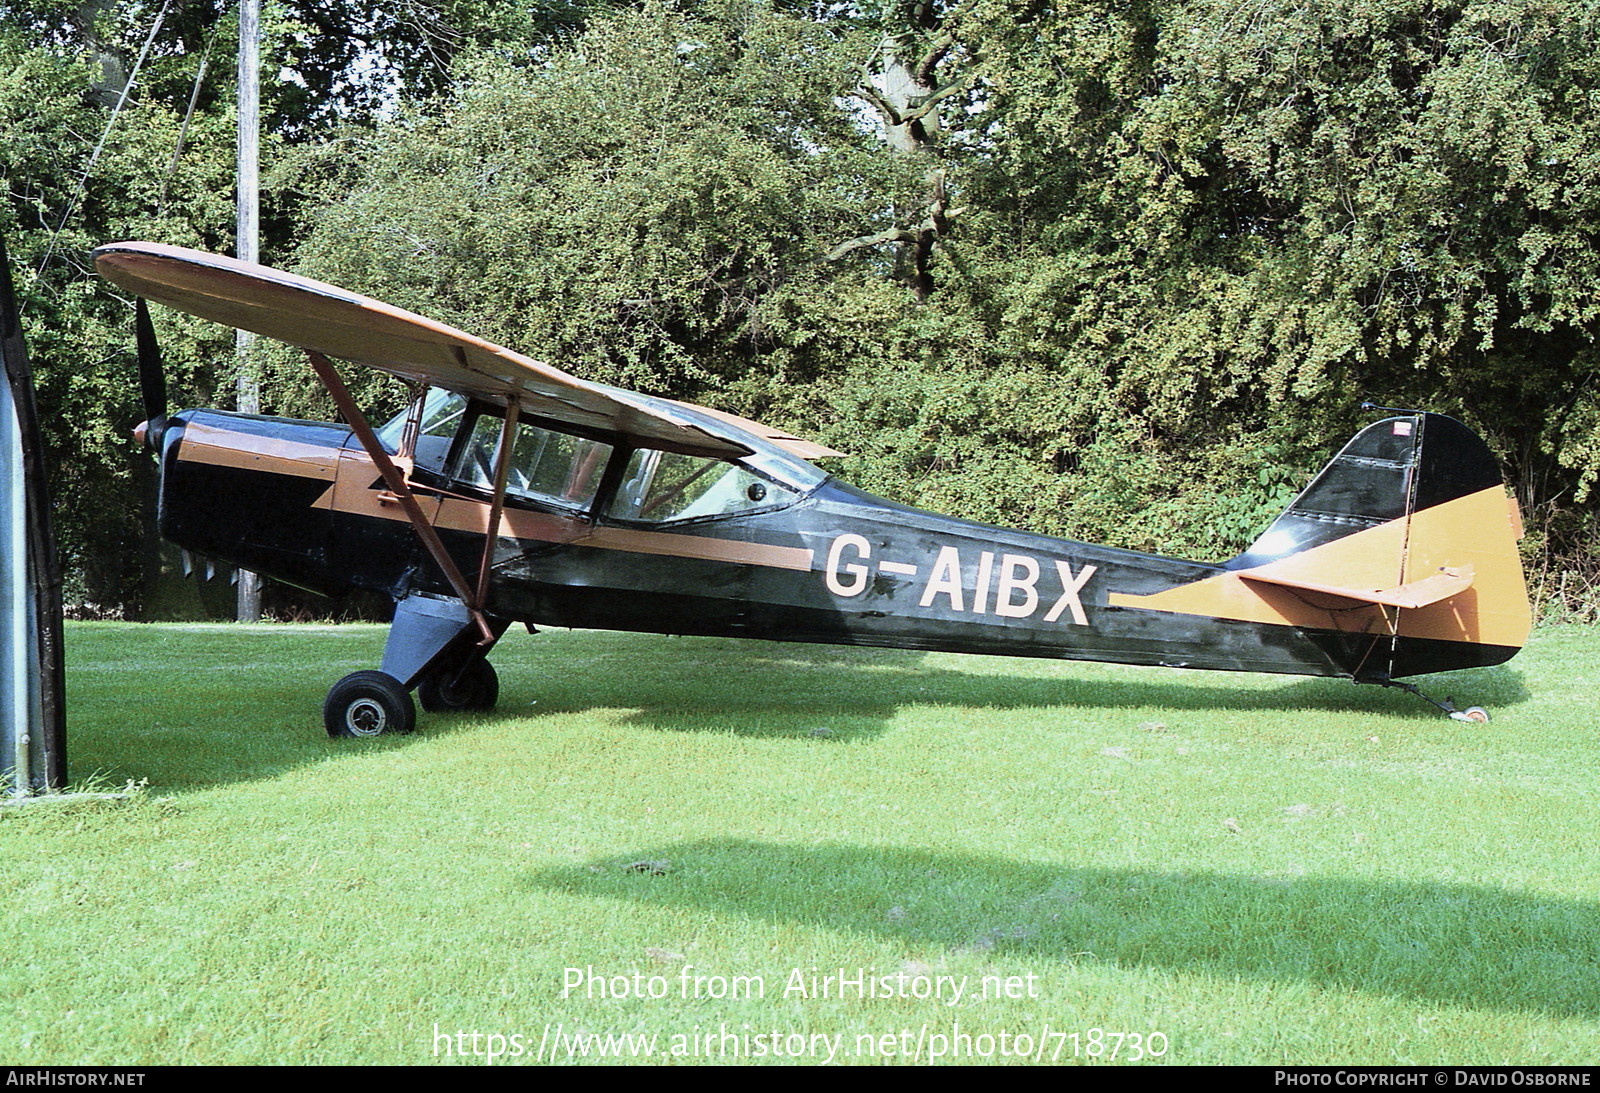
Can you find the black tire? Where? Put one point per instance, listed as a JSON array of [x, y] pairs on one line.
[[478, 688], [368, 704]]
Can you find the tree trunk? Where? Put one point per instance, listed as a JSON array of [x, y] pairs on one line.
[[904, 85]]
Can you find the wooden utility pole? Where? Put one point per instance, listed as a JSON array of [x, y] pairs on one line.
[[246, 243]]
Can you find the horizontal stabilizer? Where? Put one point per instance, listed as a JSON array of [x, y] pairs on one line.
[[1419, 593]]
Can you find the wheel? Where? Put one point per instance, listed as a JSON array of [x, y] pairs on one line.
[[478, 688], [1477, 714], [368, 704]]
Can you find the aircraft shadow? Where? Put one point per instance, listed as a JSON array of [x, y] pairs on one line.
[[770, 689], [244, 715], [1431, 943]]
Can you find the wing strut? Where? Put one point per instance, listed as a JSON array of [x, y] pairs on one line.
[[497, 503], [397, 485]]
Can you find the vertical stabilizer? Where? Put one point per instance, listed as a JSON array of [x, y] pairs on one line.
[[1410, 531], [1399, 558]]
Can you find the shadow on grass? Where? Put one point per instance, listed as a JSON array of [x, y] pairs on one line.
[[194, 707], [189, 706], [762, 688], [1456, 945]]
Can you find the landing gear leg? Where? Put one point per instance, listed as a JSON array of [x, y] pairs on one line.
[[435, 646]]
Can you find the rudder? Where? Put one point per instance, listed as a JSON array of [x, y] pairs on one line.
[[1410, 522]]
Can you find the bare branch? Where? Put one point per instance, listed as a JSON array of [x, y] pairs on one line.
[[869, 95], [940, 47], [927, 105], [892, 235], [937, 51]]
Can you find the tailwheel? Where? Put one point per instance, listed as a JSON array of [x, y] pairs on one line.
[[472, 686], [1475, 715], [368, 704]]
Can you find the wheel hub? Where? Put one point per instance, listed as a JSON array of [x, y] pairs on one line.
[[365, 718]]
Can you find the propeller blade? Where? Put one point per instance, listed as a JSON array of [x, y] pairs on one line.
[[152, 377]]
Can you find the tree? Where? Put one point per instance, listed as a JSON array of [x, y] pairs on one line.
[[1259, 217], [917, 66], [56, 209], [118, 123], [649, 206], [336, 63]]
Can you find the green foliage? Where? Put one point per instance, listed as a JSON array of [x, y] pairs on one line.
[[1156, 253], [1183, 241], [644, 208], [80, 335], [1244, 221]]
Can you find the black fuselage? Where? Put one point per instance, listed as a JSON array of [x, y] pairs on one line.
[[301, 502]]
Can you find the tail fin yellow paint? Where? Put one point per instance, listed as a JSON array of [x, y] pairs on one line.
[[1406, 535]]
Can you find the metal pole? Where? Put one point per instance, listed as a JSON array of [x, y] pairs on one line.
[[246, 242], [33, 735], [16, 682]]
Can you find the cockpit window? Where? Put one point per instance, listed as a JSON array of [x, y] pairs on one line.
[[441, 418], [661, 486], [457, 439], [545, 465]]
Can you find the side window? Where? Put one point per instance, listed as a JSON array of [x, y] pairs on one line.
[[441, 417], [556, 466], [660, 486], [475, 462], [545, 465], [438, 419]]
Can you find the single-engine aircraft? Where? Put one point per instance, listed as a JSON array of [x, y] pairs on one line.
[[511, 491]]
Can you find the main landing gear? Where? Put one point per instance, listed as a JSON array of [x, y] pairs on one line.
[[368, 704], [434, 647], [373, 703], [472, 686]]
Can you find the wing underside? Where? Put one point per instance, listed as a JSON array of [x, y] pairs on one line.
[[326, 319]]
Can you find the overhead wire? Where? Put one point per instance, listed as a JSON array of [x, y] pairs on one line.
[[122, 99], [183, 130]]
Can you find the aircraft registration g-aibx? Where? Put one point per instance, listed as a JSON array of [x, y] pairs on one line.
[[513, 492]]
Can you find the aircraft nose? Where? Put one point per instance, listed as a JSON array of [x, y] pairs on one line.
[[148, 432]]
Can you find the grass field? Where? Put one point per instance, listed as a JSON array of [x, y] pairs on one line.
[[1069, 860]]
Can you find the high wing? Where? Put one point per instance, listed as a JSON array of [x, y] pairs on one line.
[[332, 321]]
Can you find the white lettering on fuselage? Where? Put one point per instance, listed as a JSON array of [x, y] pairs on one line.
[[1007, 585], [856, 574]]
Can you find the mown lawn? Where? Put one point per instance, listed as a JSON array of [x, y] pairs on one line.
[[1237, 869]]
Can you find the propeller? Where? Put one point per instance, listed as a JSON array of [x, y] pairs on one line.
[[152, 377]]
